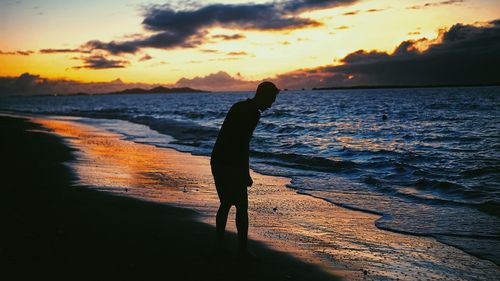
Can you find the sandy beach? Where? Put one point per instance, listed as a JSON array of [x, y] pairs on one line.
[[123, 210], [54, 231]]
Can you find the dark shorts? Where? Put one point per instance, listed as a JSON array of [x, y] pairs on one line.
[[230, 184]]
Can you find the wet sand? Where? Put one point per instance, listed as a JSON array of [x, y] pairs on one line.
[[53, 230], [339, 241]]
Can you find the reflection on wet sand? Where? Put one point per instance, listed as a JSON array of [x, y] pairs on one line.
[[310, 228]]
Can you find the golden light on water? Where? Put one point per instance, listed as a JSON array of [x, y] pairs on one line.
[[308, 227]]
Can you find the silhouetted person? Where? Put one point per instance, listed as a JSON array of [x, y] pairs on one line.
[[229, 162]]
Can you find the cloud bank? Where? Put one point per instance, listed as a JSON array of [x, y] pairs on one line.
[[59, 51], [30, 84], [462, 55], [188, 28], [100, 62]]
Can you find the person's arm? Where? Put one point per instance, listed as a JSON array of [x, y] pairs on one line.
[[252, 122]]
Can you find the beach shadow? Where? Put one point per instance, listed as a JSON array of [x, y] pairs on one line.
[[54, 230]]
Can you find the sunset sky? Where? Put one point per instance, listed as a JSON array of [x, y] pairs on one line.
[[195, 43]]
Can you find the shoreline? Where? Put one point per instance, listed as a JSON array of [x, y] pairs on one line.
[[332, 249], [402, 232], [59, 231]]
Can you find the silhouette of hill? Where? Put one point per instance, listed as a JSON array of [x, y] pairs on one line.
[[157, 90], [402, 86]]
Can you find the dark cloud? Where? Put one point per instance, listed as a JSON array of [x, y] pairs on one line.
[[228, 37], [24, 84], [21, 53], [241, 16], [24, 53], [308, 5], [414, 33], [435, 4], [189, 27], [364, 56], [145, 57], [101, 62], [55, 51], [113, 47], [352, 13], [463, 55], [27, 81], [374, 10]]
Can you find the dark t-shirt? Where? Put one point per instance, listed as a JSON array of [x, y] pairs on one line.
[[233, 142]]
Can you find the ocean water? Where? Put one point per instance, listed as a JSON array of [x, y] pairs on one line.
[[426, 160]]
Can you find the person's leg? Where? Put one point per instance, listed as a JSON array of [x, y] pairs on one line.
[[220, 222], [242, 221], [220, 180]]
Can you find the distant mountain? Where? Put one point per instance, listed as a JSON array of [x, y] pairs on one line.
[[404, 86], [158, 90]]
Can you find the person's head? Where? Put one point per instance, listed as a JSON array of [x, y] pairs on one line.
[[266, 95]]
